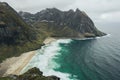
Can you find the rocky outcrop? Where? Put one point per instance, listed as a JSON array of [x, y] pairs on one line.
[[76, 20], [32, 74]]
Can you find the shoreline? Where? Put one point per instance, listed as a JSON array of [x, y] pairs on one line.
[[15, 65], [49, 40]]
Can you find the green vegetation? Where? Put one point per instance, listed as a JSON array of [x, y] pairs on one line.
[[16, 36], [6, 78], [50, 29]]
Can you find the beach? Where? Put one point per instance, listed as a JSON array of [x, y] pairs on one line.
[[15, 65], [49, 40]]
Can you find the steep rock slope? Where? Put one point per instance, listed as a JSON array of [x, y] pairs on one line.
[[16, 36], [12, 28]]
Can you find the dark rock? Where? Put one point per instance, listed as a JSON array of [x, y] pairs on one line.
[[14, 77], [53, 77], [32, 74], [34, 71]]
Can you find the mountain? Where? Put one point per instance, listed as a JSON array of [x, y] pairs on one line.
[[77, 22], [16, 36]]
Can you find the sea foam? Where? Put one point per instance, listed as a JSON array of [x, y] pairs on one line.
[[108, 35], [43, 60]]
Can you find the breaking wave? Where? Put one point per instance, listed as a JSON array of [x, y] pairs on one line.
[[44, 60]]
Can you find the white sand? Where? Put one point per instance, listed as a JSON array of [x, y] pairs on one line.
[[14, 65], [49, 40]]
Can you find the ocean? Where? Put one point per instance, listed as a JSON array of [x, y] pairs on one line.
[[83, 59]]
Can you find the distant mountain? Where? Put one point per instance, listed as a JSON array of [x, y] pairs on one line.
[[77, 21]]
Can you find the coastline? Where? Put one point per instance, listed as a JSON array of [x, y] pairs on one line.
[[44, 59], [15, 65]]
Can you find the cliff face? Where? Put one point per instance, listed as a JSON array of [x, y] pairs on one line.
[[75, 20]]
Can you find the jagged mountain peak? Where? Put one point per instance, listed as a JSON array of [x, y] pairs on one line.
[[48, 10], [77, 10], [52, 9], [71, 11], [77, 20]]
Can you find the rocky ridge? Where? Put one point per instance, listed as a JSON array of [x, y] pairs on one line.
[[77, 20]]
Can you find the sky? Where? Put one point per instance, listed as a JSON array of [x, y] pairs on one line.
[[99, 10]]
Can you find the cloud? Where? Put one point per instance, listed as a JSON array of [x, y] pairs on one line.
[[98, 10], [97, 6], [110, 17], [37, 5]]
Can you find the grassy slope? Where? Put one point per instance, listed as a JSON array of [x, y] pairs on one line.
[[52, 30], [27, 40]]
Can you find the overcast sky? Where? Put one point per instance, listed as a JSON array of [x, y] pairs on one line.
[[98, 10]]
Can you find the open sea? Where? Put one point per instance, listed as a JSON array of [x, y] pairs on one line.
[[85, 59]]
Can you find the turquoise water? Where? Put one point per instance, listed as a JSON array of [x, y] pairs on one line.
[[88, 59]]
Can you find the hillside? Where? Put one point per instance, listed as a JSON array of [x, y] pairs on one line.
[[16, 36]]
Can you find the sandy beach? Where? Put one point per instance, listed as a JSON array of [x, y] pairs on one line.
[[49, 40], [15, 65]]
